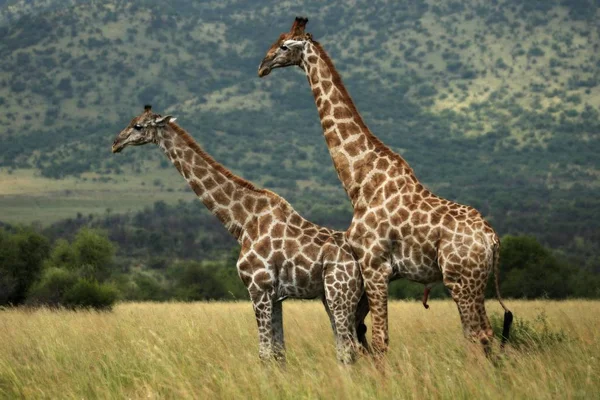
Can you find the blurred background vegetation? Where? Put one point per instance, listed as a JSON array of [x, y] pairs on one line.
[[493, 103]]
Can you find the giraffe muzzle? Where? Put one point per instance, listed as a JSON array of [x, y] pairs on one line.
[[263, 71], [265, 67], [116, 146]]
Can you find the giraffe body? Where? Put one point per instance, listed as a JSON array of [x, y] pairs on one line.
[[282, 254], [399, 228]]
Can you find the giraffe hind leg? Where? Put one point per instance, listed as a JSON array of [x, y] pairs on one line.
[[330, 316], [470, 303], [342, 306], [485, 322], [361, 329]]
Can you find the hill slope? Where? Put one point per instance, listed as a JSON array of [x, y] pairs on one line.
[[494, 104]]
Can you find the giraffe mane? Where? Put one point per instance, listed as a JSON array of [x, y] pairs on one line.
[[337, 81], [189, 140]]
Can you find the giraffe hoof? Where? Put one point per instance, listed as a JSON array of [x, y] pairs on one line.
[[426, 306]]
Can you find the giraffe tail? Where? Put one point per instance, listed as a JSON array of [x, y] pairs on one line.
[[508, 316]]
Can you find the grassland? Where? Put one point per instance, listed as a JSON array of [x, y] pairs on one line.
[[27, 197], [209, 350]]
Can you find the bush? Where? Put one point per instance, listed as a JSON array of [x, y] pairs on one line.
[[529, 270], [528, 335], [91, 294], [145, 287], [193, 281], [21, 257], [63, 255], [51, 288], [95, 253]]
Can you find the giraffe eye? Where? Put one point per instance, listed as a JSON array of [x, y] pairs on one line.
[[137, 127], [283, 47]]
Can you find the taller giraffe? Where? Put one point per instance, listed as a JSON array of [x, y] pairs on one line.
[[282, 254], [399, 228]]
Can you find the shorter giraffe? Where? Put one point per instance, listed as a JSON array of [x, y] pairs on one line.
[[282, 254]]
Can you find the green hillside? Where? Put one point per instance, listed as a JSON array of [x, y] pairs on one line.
[[493, 103]]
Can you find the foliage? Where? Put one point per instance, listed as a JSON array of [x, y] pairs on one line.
[[21, 257], [52, 287], [536, 334], [193, 281], [91, 294], [75, 274], [94, 254], [529, 270], [142, 285], [91, 254]]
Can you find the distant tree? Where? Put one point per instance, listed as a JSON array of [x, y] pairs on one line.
[[95, 254], [193, 281], [90, 255], [51, 288], [21, 258], [91, 294], [529, 270]]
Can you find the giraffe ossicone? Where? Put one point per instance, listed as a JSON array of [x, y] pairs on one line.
[[282, 254], [399, 228]]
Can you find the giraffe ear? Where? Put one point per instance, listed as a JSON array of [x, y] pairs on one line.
[[294, 44], [161, 121]]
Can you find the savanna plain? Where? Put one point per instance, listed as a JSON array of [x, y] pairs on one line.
[[209, 350]]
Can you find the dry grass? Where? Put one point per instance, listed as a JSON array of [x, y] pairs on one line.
[[209, 350]]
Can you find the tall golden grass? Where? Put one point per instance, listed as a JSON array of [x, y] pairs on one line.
[[209, 350]]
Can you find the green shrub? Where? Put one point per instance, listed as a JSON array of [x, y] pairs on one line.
[[147, 287], [192, 281], [51, 288], [95, 253], [529, 335], [22, 254], [91, 294]]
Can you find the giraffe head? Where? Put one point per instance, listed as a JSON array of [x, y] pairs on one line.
[[287, 49], [141, 130]]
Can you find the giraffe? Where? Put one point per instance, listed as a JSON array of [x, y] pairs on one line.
[[282, 254], [399, 229]]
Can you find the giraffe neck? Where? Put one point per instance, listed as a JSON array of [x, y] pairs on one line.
[[229, 197], [353, 148]]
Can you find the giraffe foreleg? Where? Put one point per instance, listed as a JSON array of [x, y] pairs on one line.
[[278, 338], [262, 303]]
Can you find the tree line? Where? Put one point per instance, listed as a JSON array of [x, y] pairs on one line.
[[84, 272]]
